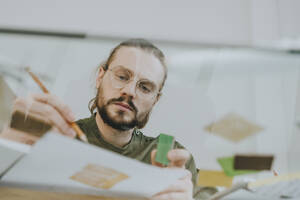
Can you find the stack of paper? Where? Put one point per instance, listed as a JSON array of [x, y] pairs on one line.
[[57, 163], [285, 186]]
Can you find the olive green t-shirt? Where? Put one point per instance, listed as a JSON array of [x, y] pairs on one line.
[[139, 148]]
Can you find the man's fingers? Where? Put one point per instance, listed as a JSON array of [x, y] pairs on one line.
[[181, 189], [178, 157], [53, 116], [55, 102], [26, 106], [153, 162], [59, 122], [46, 113], [180, 185]]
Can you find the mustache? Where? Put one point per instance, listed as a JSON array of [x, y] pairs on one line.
[[123, 99]]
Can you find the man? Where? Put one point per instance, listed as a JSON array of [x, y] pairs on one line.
[[129, 83]]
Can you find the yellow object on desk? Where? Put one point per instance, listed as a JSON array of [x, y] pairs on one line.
[[213, 178]]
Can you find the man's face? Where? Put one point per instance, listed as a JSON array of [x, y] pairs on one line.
[[125, 106]]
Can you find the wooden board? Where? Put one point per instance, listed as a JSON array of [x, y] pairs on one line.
[[24, 194]]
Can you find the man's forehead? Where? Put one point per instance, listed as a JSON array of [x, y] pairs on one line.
[[143, 64]]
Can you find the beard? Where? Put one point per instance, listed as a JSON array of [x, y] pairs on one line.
[[118, 121]]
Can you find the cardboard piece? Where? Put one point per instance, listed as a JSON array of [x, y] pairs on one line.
[[7, 193], [29, 124], [233, 127], [99, 176], [227, 165], [253, 162], [211, 178]]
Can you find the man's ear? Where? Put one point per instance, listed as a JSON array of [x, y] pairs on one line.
[[157, 98], [99, 77]]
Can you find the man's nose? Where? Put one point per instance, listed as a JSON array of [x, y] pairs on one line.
[[129, 89]]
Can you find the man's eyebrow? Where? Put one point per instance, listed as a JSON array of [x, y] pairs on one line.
[[147, 80], [131, 72], [122, 66], [150, 82]]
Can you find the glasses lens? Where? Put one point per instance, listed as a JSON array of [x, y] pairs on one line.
[[120, 77], [145, 87]]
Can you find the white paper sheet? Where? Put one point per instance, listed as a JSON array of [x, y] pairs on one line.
[[285, 186], [10, 152], [55, 158]]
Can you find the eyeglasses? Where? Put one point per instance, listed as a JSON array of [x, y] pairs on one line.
[[121, 76]]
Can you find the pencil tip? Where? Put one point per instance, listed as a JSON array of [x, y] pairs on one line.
[[83, 138]]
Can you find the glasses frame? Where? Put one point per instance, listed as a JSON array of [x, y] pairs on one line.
[[141, 94]]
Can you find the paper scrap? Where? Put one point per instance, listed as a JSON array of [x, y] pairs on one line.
[[211, 178], [99, 176], [233, 127], [227, 165]]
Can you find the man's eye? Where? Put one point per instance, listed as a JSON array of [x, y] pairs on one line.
[[145, 89], [122, 78]]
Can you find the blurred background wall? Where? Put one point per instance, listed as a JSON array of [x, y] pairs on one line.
[[231, 22]]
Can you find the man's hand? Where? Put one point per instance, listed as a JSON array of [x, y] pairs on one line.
[[182, 189], [48, 108]]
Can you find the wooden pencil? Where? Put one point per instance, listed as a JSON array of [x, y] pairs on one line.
[[75, 127]]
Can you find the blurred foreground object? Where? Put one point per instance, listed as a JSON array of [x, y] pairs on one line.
[[233, 127], [214, 178], [253, 162], [165, 144], [7, 97]]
